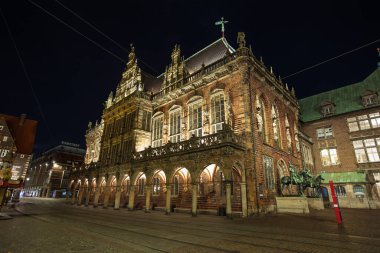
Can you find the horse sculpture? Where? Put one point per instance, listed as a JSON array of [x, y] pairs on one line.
[[302, 180]]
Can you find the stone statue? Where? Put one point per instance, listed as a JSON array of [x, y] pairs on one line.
[[89, 125], [241, 39]]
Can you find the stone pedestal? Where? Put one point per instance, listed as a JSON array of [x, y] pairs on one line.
[[292, 205], [315, 203]]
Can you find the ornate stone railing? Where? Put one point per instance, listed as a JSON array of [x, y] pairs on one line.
[[222, 138]]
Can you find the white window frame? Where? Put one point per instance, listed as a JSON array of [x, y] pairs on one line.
[[157, 130], [175, 125], [325, 133], [367, 150], [218, 118], [332, 156], [195, 129]]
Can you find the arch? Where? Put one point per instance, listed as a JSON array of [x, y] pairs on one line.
[[282, 169], [195, 99], [157, 114]]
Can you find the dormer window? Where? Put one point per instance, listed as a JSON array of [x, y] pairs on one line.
[[327, 108], [369, 98]]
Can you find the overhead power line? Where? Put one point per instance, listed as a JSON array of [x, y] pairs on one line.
[[102, 33], [27, 76], [76, 31], [331, 59]]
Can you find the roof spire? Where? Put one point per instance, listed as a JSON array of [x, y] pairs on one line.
[[378, 63], [221, 23]]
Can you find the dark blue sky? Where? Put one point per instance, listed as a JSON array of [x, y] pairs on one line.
[[72, 77]]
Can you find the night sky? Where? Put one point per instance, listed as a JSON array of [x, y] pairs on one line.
[[72, 77]]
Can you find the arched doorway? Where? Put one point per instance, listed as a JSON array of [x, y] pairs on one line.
[[125, 186], [102, 188], [112, 191], [181, 189]]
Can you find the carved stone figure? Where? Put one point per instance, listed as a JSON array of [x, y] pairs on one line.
[[241, 39]]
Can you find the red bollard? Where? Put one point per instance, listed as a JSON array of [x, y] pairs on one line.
[[336, 205]]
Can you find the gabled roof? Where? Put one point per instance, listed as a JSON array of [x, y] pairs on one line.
[[346, 99], [211, 53]]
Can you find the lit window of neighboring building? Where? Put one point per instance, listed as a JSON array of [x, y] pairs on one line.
[[329, 157], [217, 112], [195, 119], [364, 122], [352, 124], [366, 150], [175, 126], [324, 132], [157, 131], [375, 119]]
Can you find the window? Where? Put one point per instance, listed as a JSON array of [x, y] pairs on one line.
[[358, 190], [369, 98], [261, 121], [268, 171], [176, 185], [157, 131], [367, 150], [146, 120], [5, 138], [195, 119], [324, 132], [22, 156], [156, 186], [340, 191], [141, 185], [217, 112], [129, 120], [329, 157], [175, 126], [327, 108], [364, 122]]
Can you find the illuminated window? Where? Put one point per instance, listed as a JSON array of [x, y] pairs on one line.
[[263, 125], [217, 112], [268, 172], [367, 150], [5, 138], [195, 119], [329, 157], [156, 186], [157, 131], [358, 189], [324, 132], [375, 119], [352, 124], [364, 122], [175, 126]]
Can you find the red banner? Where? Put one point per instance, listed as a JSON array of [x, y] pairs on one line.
[[336, 204]]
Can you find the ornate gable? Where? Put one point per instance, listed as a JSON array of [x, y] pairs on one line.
[[131, 78], [176, 70]]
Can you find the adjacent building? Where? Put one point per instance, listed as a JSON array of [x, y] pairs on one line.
[[215, 132], [17, 135], [49, 172], [344, 125]]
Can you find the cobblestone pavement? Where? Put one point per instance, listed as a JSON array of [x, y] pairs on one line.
[[47, 225]]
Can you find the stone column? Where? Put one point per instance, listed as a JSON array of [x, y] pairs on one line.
[[107, 196], [194, 200], [117, 197], [97, 194], [147, 198], [228, 199], [131, 201], [243, 190], [73, 197], [80, 195], [67, 196], [168, 196], [88, 191]]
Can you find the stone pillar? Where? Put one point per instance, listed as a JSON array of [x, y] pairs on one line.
[[117, 197], [131, 201], [243, 190], [228, 199], [97, 194], [107, 196], [88, 191], [194, 200], [73, 197], [147, 198], [168, 196], [67, 196], [80, 196]]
